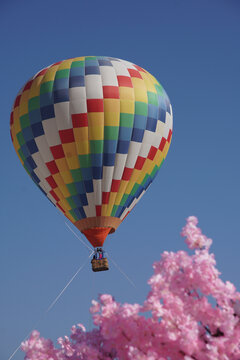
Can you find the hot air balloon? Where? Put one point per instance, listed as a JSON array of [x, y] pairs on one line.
[[92, 132]]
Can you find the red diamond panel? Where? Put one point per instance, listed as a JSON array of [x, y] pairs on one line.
[[57, 152], [124, 81], [127, 173], [115, 185], [52, 167], [51, 182], [134, 73], [110, 92], [105, 197], [79, 120], [66, 136], [139, 163], [95, 105], [152, 152], [162, 144]]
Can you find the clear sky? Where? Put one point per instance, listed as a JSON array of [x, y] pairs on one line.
[[192, 48]]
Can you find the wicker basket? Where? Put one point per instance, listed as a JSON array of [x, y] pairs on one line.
[[100, 264]]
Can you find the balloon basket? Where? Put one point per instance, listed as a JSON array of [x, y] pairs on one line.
[[100, 264]]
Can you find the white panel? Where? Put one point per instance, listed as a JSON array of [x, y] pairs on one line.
[[160, 127], [133, 152], [52, 199], [63, 119], [148, 137], [51, 132], [157, 139], [152, 138], [94, 86], [77, 93], [90, 209], [145, 149], [166, 131], [45, 186], [120, 161], [41, 165], [120, 68], [97, 186], [128, 64], [44, 148], [169, 121], [107, 178], [108, 75], [40, 174], [78, 106]]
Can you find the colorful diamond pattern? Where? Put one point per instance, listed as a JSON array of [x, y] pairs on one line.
[[92, 132]]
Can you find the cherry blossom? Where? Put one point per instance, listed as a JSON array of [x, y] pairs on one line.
[[194, 315]]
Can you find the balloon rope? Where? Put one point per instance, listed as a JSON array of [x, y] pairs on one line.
[[51, 305], [78, 237], [116, 265], [65, 288], [121, 271]]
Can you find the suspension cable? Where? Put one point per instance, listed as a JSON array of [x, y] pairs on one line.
[[121, 271], [51, 305], [78, 237]]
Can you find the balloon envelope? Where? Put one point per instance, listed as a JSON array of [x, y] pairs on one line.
[[92, 132]]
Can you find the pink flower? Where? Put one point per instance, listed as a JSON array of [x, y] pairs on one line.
[[95, 307], [193, 315]]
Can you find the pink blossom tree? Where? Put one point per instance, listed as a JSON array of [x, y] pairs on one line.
[[184, 323]]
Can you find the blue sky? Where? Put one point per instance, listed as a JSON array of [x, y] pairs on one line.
[[192, 48]]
